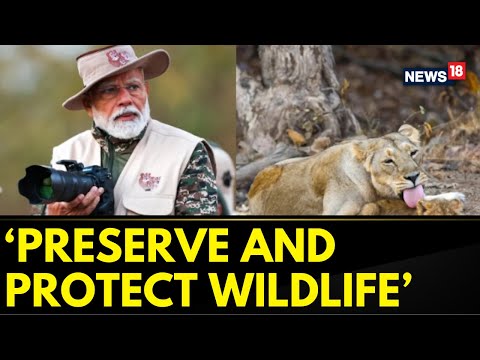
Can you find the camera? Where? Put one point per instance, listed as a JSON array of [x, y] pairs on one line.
[[44, 185]]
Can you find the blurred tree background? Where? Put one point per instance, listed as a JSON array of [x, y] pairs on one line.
[[197, 94]]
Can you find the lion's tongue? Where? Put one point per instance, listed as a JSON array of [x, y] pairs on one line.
[[413, 195]]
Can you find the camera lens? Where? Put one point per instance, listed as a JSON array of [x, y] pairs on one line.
[[43, 185], [46, 191]]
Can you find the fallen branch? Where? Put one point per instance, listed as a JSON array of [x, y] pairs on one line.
[[246, 174]]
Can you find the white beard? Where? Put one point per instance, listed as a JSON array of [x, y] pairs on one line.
[[123, 129]]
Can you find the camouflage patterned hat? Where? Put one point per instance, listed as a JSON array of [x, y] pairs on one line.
[[96, 65]]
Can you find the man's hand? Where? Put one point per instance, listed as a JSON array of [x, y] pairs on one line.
[[83, 204]]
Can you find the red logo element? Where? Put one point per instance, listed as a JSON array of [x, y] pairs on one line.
[[148, 182], [457, 70], [118, 58]]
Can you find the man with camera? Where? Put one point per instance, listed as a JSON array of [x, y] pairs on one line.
[[157, 169]]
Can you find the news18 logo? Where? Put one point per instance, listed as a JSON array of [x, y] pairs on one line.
[[456, 70]]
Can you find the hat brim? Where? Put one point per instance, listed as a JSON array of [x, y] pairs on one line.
[[154, 64]]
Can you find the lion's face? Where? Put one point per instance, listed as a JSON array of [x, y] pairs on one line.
[[393, 162]]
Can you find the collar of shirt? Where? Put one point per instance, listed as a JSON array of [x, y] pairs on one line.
[[119, 145]]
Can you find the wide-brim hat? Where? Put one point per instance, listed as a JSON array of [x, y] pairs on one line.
[[99, 64]]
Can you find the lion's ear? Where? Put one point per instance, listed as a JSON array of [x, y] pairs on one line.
[[363, 152], [360, 150], [411, 133]]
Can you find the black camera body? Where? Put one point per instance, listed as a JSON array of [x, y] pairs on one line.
[[44, 185]]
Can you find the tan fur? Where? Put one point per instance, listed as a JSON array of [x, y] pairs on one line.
[[440, 207], [265, 179], [342, 179], [424, 207]]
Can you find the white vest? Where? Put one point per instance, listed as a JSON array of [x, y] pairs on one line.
[[148, 183]]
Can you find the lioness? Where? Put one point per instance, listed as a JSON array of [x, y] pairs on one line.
[[357, 177]]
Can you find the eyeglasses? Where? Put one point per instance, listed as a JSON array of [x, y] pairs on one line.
[[111, 91]]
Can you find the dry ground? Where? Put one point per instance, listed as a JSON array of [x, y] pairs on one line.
[[454, 180]]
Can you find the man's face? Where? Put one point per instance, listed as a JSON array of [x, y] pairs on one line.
[[119, 104]]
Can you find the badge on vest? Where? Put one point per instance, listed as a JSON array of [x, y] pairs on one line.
[[148, 182]]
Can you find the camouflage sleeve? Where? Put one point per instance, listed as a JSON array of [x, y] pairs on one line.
[[197, 189]]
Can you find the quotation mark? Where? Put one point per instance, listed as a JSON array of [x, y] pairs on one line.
[[9, 236]]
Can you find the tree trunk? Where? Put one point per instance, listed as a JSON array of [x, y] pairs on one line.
[[295, 87]]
